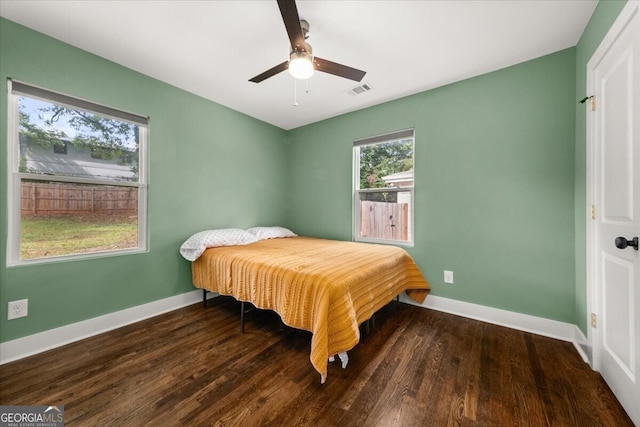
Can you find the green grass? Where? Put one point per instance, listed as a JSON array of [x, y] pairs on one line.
[[46, 237]]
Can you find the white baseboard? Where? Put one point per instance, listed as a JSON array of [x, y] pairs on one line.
[[583, 345], [47, 340], [523, 322]]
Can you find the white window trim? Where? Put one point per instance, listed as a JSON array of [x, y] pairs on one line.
[[392, 136], [15, 177]]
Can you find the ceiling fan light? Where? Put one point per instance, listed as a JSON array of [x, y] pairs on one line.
[[300, 65]]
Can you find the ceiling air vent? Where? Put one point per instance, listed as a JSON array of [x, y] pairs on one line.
[[360, 89]]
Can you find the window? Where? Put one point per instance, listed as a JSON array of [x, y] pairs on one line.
[[60, 147], [91, 201], [384, 175]]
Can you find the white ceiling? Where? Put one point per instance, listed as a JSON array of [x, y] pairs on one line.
[[212, 48]]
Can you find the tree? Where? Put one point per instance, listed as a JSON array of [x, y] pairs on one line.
[[380, 160], [37, 135], [106, 138]]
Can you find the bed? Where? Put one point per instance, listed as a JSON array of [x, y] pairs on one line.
[[327, 287]]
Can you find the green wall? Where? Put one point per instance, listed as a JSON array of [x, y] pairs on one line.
[[494, 183], [209, 167], [603, 17]]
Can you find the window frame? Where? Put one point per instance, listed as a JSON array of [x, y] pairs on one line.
[[357, 191], [15, 90], [61, 151]]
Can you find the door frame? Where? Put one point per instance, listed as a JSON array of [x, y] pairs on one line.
[[594, 291]]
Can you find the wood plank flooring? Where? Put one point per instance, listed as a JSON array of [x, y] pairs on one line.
[[416, 367]]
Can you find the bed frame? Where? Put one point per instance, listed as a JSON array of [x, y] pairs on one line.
[[327, 287], [369, 323]]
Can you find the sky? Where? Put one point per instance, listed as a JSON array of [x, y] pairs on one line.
[[32, 107]]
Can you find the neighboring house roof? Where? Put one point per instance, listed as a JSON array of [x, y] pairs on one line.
[[76, 162], [398, 178], [81, 169]]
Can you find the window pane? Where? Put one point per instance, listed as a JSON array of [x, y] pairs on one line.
[[384, 188], [59, 219], [385, 215], [388, 164], [57, 140]]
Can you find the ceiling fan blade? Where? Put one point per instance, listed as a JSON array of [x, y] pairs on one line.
[[336, 69], [291, 20], [270, 72]]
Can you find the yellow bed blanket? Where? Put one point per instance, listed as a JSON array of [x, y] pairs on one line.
[[327, 287]]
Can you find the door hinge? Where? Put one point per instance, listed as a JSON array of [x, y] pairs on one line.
[[593, 320], [592, 102], [593, 211]]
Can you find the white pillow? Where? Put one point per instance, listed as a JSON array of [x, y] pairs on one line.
[[263, 233], [195, 245]]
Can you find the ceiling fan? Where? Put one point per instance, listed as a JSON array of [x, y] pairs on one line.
[[302, 63]]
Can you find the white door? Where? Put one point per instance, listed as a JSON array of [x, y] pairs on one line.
[[615, 80]]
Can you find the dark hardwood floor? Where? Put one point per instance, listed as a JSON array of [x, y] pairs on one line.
[[417, 367]]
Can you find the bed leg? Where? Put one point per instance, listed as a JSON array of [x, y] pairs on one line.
[[344, 359], [204, 298], [242, 317], [367, 326]]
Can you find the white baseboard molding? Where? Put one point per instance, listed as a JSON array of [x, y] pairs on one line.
[[47, 340], [583, 345], [523, 322]]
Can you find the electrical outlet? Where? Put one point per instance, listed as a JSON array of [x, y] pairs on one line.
[[448, 277], [18, 309]]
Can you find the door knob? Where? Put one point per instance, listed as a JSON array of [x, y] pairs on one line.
[[622, 243]]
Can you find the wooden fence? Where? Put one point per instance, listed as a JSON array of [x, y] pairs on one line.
[[50, 199], [380, 220]]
